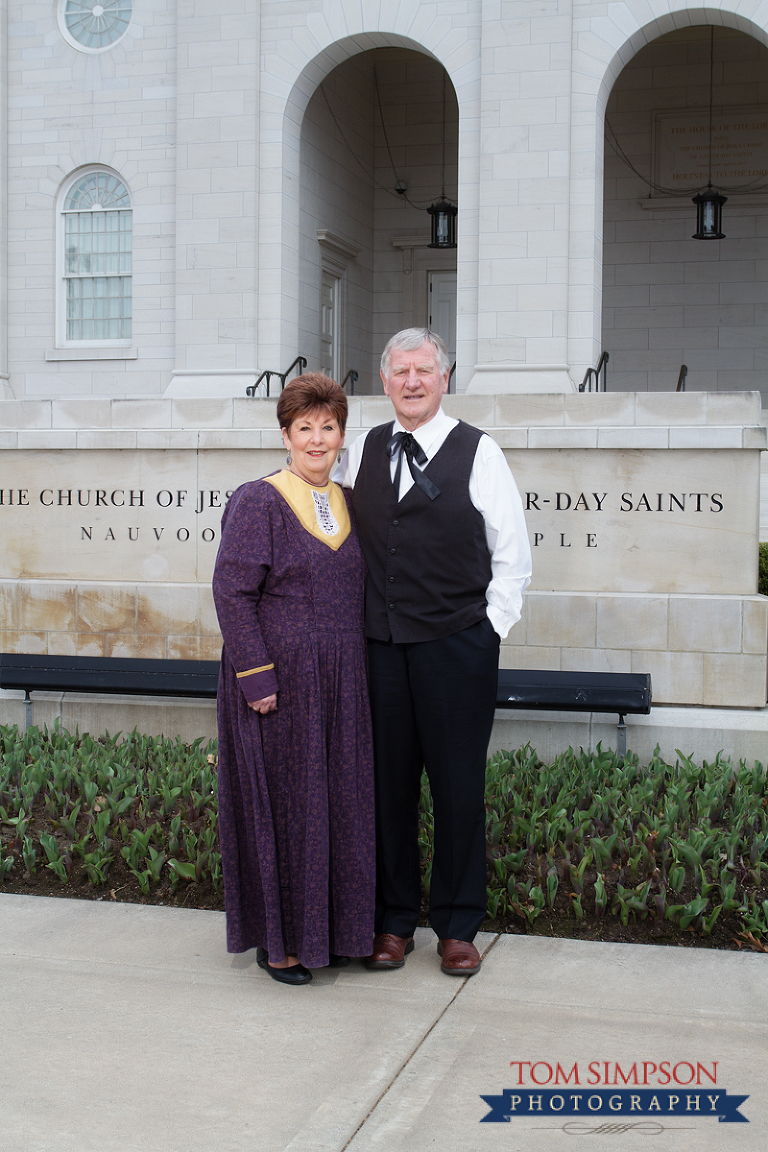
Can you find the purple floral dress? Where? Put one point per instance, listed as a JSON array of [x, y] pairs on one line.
[[295, 785]]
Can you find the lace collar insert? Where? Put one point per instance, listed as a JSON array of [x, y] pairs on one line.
[[321, 510]]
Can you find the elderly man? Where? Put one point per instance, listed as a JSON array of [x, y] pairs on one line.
[[442, 529]]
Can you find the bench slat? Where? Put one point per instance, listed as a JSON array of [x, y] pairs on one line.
[[627, 693], [132, 677]]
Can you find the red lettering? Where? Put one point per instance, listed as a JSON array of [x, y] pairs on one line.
[[683, 1064], [520, 1064], [700, 1068], [567, 1079]]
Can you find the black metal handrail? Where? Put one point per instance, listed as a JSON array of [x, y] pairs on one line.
[[594, 374], [451, 375], [681, 378], [268, 373], [353, 377]]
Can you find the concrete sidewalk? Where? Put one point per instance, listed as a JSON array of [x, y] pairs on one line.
[[129, 1029]]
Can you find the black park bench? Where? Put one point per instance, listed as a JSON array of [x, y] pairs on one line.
[[624, 693], [108, 675]]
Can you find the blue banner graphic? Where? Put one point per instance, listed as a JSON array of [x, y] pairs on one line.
[[608, 1102]]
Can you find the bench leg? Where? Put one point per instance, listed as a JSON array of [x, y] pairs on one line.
[[27, 711], [621, 737]]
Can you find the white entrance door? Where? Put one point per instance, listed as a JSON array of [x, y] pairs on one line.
[[442, 308], [330, 353]]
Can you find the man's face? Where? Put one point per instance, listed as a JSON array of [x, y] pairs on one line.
[[415, 385]]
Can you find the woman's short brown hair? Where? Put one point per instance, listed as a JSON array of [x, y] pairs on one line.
[[311, 393]]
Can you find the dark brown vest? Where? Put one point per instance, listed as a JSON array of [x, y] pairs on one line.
[[428, 560]]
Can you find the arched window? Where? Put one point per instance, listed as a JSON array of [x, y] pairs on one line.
[[91, 27], [96, 218]]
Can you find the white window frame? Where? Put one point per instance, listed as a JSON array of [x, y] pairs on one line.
[[74, 43], [61, 263]]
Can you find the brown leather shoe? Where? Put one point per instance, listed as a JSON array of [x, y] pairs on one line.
[[388, 951], [460, 957]]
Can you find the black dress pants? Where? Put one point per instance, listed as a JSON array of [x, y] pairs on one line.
[[432, 706]]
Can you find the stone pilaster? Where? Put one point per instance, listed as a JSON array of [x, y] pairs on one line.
[[523, 213], [216, 198]]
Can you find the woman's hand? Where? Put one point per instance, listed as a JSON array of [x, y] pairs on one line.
[[268, 704]]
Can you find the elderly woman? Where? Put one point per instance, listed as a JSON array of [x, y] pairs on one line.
[[295, 757]]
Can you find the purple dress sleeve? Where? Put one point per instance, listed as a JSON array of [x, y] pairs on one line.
[[242, 568]]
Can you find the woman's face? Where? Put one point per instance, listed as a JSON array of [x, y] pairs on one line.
[[313, 441]]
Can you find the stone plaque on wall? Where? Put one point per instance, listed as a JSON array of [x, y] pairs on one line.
[[640, 521], [739, 147], [127, 515]]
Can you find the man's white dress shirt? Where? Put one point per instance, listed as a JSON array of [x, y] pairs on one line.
[[494, 494]]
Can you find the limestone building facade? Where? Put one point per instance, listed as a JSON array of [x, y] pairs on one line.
[[194, 191]]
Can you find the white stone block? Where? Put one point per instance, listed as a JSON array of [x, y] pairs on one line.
[[202, 413], [106, 439], [632, 622], [685, 408], [705, 624], [572, 437], [633, 437], [599, 408], [167, 439], [708, 437], [229, 438], [526, 410], [676, 677], [141, 414], [755, 625], [377, 410], [47, 439], [595, 660], [25, 414], [733, 408], [737, 681], [253, 412], [559, 620], [529, 657], [510, 437], [477, 410]]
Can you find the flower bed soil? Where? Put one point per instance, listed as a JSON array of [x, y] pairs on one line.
[[558, 922], [592, 847]]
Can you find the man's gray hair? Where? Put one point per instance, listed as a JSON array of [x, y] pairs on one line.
[[409, 340]]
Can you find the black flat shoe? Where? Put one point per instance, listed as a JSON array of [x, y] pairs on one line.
[[335, 961], [296, 974]]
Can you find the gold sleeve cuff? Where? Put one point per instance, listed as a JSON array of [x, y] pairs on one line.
[[253, 671]]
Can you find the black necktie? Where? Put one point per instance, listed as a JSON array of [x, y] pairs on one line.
[[404, 444]]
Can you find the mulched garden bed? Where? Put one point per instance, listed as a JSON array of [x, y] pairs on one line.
[[592, 847], [122, 887]]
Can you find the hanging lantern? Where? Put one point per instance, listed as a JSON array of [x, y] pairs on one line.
[[443, 215], [709, 215]]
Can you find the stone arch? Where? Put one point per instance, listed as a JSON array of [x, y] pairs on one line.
[[682, 17], [602, 48], [278, 297]]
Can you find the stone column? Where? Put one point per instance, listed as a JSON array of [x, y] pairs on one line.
[[524, 171], [216, 199]]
